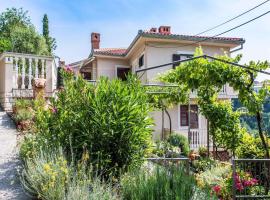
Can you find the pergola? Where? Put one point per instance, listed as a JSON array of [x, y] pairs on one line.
[[248, 69]]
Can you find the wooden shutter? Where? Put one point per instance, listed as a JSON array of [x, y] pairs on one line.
[[194, 117], [184, 115]]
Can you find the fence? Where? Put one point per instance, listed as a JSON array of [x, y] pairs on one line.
[[251, 178]]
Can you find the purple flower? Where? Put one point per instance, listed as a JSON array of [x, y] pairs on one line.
[[54, 110], [247, 183], [239, 186], [68, 69]]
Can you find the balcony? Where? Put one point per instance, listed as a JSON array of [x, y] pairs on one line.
[[17, 72]]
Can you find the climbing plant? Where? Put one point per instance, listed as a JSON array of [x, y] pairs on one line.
[[208, 77]]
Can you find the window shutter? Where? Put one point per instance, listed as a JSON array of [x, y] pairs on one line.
[[184, 115], [194, 117]]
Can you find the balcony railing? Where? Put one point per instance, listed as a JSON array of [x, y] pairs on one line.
[[17, 74]]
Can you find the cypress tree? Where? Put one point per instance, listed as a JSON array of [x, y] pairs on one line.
[[51, 43]]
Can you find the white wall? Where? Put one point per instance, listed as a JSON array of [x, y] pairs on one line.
[[163, 54], [107, 67]]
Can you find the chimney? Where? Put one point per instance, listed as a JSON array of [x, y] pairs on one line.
[[164, 30], [153, 30], [95, 40]]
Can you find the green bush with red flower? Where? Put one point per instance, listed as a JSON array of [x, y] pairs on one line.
[[220, 181]]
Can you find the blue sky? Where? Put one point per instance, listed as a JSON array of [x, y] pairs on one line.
[[118, 21]]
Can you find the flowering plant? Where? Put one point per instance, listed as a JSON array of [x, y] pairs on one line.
[[243, 182]]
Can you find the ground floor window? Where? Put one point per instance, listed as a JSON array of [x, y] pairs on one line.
[[122, 73], [194, 119], [87, 75]]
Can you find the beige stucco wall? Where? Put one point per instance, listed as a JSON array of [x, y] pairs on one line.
[[162, 54], [154, 56], [107, 66]]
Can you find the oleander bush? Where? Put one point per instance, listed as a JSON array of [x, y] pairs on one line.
[[110, 120]]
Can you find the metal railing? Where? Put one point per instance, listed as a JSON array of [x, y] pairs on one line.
[[251, 178]]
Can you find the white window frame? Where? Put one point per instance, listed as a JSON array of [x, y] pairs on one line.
[[120, 66]]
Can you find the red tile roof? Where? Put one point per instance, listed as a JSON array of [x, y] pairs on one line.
[[149, 34], [191, 37], [111, 51]]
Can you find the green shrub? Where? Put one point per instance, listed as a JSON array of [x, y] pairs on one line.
[[23, 104], [161, 148], [203, 152], [111, 120], [250, 147], [213, 176], [28, 146], [160, 183], [180, 141], [48, 176], [203, 164], [23, 115]]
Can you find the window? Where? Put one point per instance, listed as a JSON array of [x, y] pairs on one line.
[[87, 75], [194, 120], [141, 61], [177, 57], [122, 73]]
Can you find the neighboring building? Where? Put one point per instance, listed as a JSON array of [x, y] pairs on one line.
[[152, 48]]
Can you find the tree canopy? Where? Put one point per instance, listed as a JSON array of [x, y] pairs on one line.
[[51, 43], [18, 34]]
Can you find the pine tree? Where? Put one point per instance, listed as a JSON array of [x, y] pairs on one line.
[[51, 43]]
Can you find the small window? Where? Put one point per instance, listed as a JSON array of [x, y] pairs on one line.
[[194, 119], [177, 57], [141, 61], [87, 75], [122, 73]]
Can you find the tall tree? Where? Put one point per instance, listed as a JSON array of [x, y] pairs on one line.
[[51, 43], [18, 34]]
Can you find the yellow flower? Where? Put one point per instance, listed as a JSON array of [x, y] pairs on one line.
[[63, 169], [47, 167]]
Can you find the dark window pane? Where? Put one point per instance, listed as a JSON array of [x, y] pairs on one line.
[[141, 61], [122, 73], [87, 75], [194, 119], [175, 57], [184, 115]]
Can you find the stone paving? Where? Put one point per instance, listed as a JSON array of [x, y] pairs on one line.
[[10, 188]]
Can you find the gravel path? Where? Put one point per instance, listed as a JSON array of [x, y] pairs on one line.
[[10, 188]]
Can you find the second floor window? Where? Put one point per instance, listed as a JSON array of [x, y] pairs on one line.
[[177, 57], [141, 61]]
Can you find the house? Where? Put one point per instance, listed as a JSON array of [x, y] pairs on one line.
[[155, 47]]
